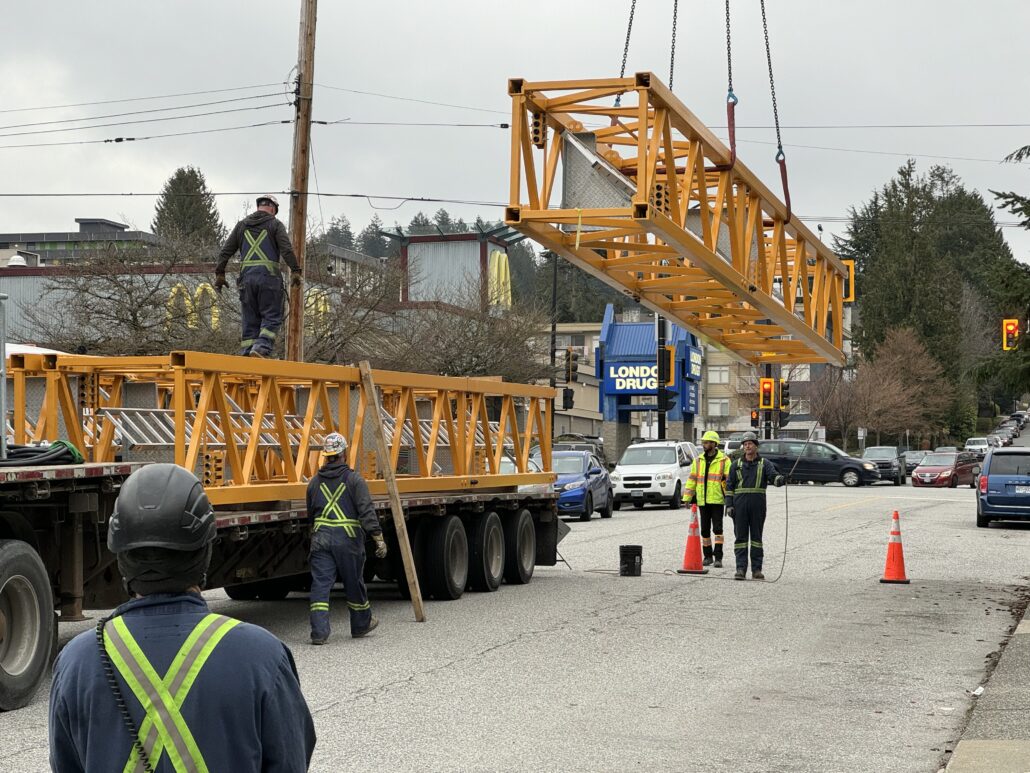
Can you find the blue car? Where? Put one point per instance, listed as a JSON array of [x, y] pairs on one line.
[[1004, 490], [583, 485]]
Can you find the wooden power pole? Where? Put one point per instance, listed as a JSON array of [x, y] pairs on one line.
[[299, 177]]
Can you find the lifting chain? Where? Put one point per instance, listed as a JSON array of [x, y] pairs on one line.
[[625, 48], [672, 46], [781, 157]]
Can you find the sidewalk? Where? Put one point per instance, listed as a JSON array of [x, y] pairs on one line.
[[997, 738]]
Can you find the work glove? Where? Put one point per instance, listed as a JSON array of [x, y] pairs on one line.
[[380, 545], [220, 282], [729, 511], [779, 480], [295, 279]]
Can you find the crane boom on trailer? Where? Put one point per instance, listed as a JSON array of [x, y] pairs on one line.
[[655, 205]]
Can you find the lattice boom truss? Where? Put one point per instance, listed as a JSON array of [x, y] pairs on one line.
[[253, 429], [702, 240]]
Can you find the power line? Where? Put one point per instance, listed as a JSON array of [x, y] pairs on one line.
[[145, 120], [882, 152], [116, 140], [349, 122], [412, 99], [889, 126], [139, 99], [137, 112]]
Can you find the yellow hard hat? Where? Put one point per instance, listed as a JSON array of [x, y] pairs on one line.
[[710, 435]]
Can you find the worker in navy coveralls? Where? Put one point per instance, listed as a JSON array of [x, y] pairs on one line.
[[341, 513], [163, 684]]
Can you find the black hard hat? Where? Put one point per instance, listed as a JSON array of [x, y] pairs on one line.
[[161, 506]]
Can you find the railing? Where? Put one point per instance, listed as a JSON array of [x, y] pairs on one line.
[[253, 429], [655, 205]]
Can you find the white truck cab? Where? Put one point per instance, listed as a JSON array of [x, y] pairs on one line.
[[654, 472]]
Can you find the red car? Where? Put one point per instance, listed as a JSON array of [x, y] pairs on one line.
[[947, 470]]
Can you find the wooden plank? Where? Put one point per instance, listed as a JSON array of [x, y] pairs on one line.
[[396, 510]]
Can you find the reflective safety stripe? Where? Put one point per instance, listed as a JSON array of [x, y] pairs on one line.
[[718, 539], [750, 491], [255, 255], [740, 545], [332, 515], [269, 334], [758, 489], [706, 541], [319, 606], [756, 544], [359, 607], [164, 728], [247, 342]]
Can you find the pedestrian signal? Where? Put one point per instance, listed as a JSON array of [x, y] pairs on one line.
[[754, 418], [1009, 334], [766, 394]]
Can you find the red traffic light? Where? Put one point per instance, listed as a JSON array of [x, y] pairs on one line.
[[766, 388], [1009, 333]]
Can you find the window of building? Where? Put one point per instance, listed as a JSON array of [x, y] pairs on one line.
[[719, 407], [718, 374], [800, 407], [800, 373]]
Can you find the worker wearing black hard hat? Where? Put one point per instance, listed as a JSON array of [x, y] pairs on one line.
[[745, 504], [163, 683], [261, 241]]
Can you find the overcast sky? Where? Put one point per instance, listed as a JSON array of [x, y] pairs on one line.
[[836, 62]]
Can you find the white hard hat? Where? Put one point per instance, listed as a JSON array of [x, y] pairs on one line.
[[334, 444], [268, 197]]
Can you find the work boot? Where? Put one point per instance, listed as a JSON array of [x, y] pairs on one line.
[[757, 575], [318, 640], [371, 626], [256, 353], [740, 574], [707, 561], [717, 563]]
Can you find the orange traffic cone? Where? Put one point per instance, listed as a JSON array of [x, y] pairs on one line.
[[692, 554], [894, 571]]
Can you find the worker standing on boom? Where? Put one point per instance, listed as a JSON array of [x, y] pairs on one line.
[[341, 512], [706, 484], [749, 476], [261, 240], [163, 684]]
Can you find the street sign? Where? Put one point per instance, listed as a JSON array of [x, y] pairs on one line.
[[861, 433]]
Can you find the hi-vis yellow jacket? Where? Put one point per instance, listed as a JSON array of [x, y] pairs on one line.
[[718, 469]]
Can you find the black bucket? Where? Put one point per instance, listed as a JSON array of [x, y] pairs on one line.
[[631, 557]]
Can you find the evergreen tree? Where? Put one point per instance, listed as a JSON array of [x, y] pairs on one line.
[[420, 224], [186, 209], [371, 242], [522, 265], [340, 232], [442, 218]]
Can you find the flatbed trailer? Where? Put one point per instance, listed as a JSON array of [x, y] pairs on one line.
[[252, 432]]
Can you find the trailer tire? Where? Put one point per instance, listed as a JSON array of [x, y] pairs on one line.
[[418, 537], [447, 565], [486, 564], [27, 623], [519, 547]]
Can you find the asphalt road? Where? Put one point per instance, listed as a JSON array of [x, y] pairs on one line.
[[582, 670]]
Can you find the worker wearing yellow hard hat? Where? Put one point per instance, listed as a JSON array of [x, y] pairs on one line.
[[706, 485]]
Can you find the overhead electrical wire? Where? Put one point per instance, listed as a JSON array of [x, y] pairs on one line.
[[411, 99], [349, 122], [139, 99], [117, 140], [884, 152], [145, 120], [136, 112]]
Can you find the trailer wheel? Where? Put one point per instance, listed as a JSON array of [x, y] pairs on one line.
[[447, 564], [27, 624], [418, 537], [486, 568], [519, 547]]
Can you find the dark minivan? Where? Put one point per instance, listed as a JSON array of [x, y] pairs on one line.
[[819, 462]]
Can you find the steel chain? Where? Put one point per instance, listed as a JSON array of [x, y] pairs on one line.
[[772, 82], [625, 48], [672, 47]]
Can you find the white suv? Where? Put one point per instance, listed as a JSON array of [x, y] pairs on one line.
[[653, 472]]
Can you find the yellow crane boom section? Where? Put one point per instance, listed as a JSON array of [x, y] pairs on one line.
[[252, 429], [676, 226]]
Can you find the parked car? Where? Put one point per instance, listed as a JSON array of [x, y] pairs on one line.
[[912, 459], [994, 441], [889, 463], [1004, 435], [819, 462], [978, 446], [652, 473], [1012, 426], [946, 450], [575, 442], [583, 485], [947, 470], [1004, 490], [732, 443]]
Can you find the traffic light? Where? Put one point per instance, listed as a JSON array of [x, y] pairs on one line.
[[571, 365], [666, 366], [766, 394], [567, 399], [754, 419], [784, 395], [1009, 333]]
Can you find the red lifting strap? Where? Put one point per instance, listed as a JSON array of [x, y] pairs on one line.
[[781, 159]]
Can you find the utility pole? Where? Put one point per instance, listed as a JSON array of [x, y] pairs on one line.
[[659, 321], [299, 177]]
